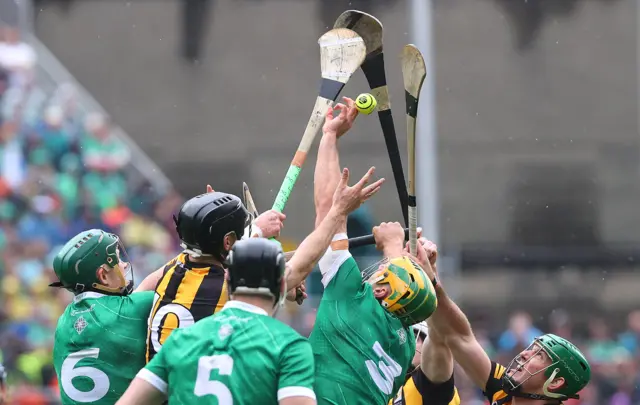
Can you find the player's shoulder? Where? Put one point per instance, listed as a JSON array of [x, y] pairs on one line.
[[180, 258], [497, 371], [493, 388], [283, 330], [262, 326], [139, 303], [135, 306], [140, 299]]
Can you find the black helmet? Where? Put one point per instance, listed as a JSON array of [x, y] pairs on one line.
[[256, 266], [205, 220]]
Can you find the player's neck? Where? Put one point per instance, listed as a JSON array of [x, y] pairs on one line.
[[260, 302], [205, 260]]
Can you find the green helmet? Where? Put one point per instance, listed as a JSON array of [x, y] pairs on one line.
[[77, 263], [412, 298], [567, 361]]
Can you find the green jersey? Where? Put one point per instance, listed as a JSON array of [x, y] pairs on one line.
[[100, 345], [240, 355], [362, 352]]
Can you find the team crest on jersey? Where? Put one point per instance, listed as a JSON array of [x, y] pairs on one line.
[[80, 324], [225, 331], [402, 335]]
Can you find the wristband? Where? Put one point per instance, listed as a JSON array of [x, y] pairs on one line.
[[247, 232], [256, 232]]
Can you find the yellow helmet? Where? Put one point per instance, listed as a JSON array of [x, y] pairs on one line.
[[412, 298]]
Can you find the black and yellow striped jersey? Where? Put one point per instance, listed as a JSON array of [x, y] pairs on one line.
[[419, 390], [186, 293], [493, 389]]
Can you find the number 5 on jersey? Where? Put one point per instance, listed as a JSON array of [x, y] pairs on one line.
[[385, 372], [205, 386]]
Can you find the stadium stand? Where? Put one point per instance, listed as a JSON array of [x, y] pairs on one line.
[[63, 169]]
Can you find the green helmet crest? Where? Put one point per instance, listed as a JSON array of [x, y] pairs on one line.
[[567, 361], [77, 263]]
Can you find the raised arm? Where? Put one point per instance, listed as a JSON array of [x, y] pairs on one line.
[[333, 199], [327, 173], [345, 200], [452, 326], [313, 247], [436, 360], [150, 282]]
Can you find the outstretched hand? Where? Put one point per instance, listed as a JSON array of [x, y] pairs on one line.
[[341, 123], [347, 199]]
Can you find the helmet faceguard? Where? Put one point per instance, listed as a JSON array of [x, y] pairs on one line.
[[412, 298], [566, 361], [420, 330], [119, 263]]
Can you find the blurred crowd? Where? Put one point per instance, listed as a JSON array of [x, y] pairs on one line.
[[614, 356], [63, 170]]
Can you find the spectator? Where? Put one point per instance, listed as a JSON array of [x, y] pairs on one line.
[[101, 150], [601, 347], [4, 86], [630, 339], [12, 159], [520, 334], [17, 56], [52, 134]]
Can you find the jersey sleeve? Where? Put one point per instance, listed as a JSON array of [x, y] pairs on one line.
[[435, 393], [494, 382], [340, 273], [156, 372], [297, 370]]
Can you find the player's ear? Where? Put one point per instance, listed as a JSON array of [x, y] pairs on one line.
[[101, 274], [229, 240], [556, 384]]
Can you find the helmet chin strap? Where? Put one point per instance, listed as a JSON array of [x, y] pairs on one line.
[[511, 387]]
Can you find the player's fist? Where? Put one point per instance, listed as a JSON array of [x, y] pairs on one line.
[[298, 294], [431, 250], [422, 258], [270, 223], [388, 234]]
